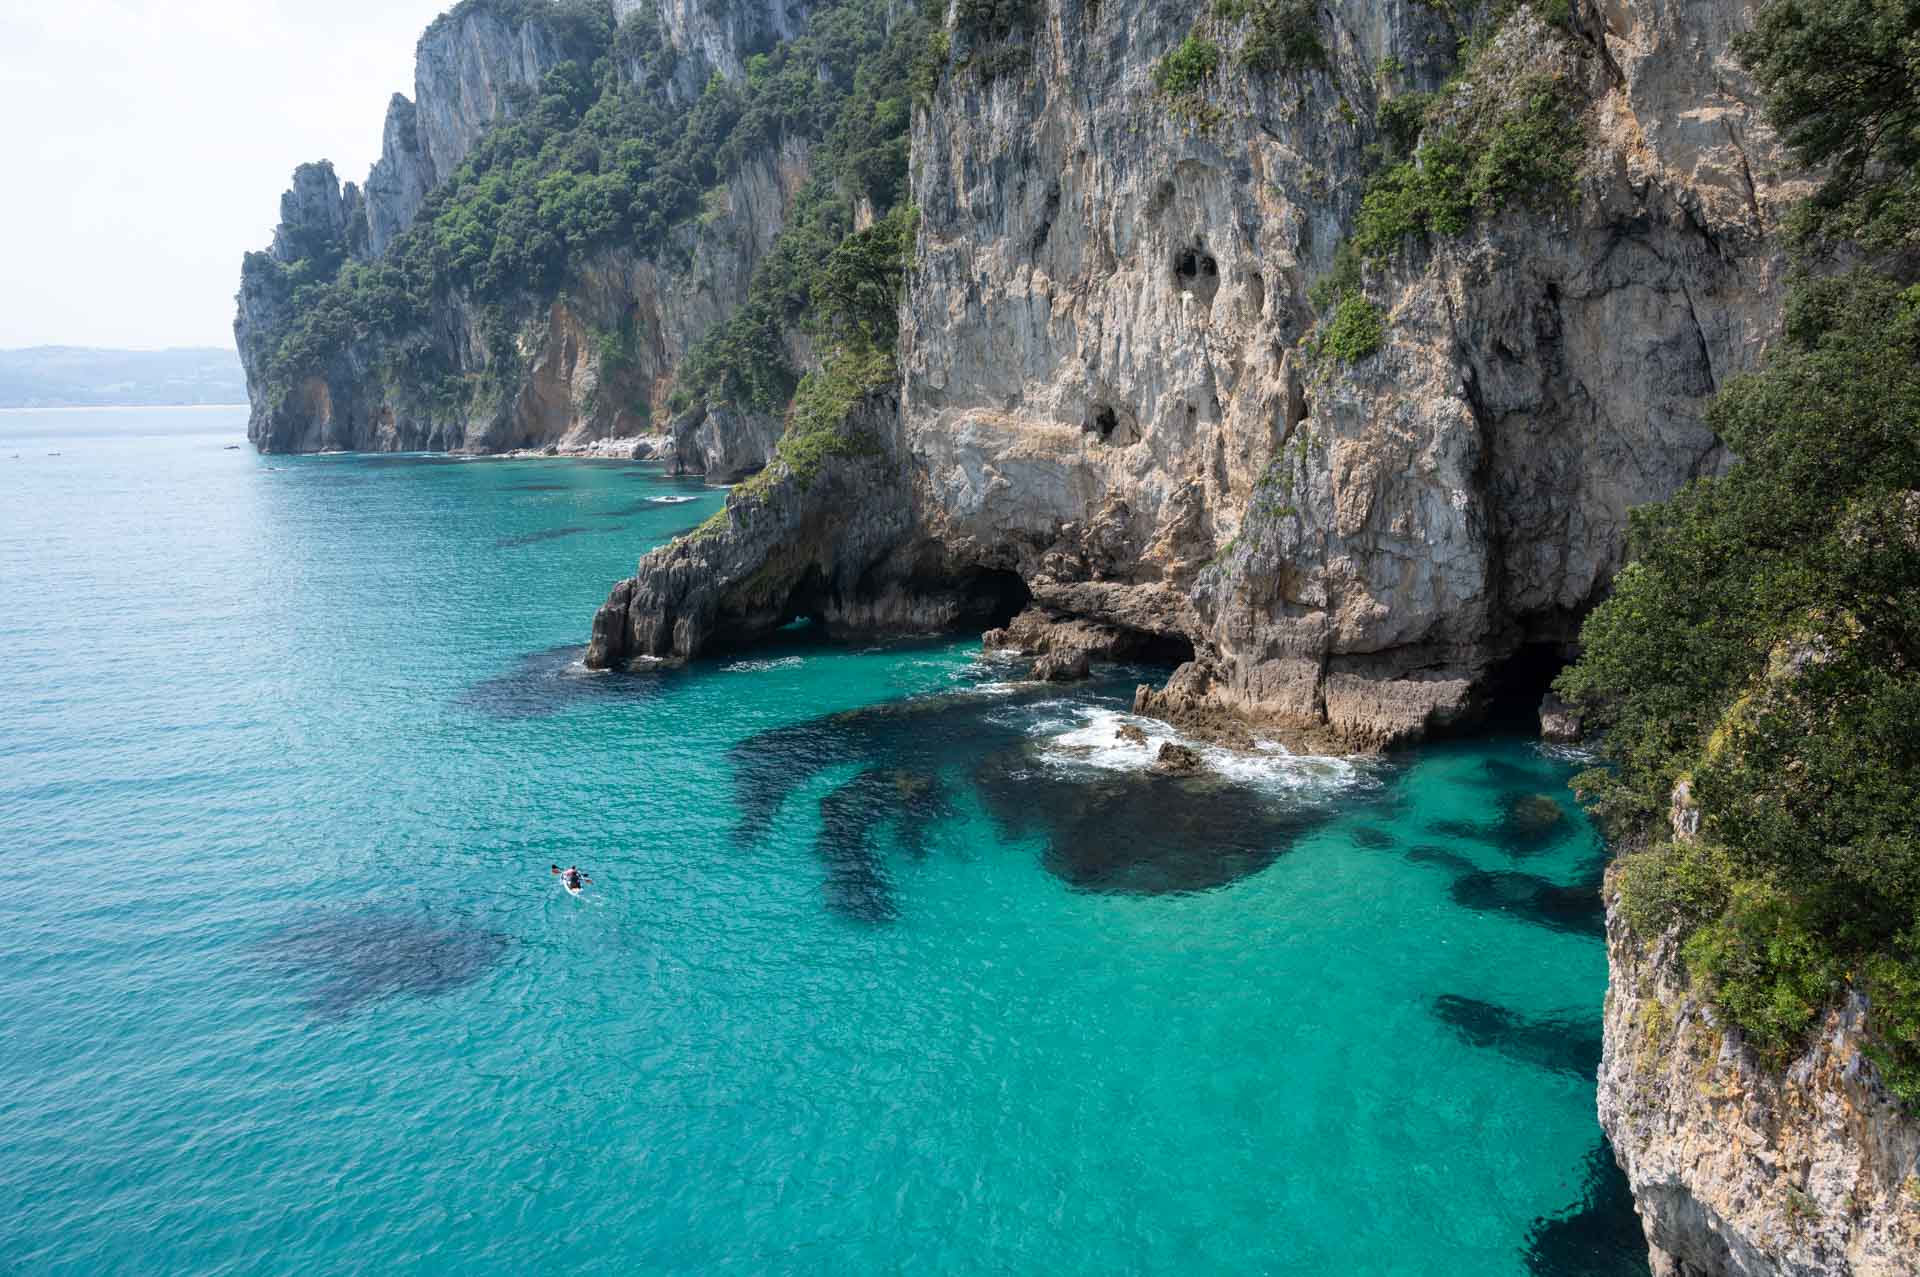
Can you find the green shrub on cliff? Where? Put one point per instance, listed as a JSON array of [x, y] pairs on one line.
[[1765, 643], [1285, 35], [1524, 151], [597, 155], [1187, 66], [1355, 330]]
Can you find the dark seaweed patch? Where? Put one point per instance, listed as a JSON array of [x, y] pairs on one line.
[[1599, 1235], [851, 816], [1563, 1044], [534, 538], [1371, 836], [1533, 899], [353, 958], [539, 487], [1453, 861], [1137, 833], [546, 682], [1528, 824], [1461, 830]]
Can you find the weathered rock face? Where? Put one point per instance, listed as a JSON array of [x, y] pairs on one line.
[[723, 443], [400, 179], [1104, 392], [448, 385], [1737, 1171], [718, 38], [834, 547]]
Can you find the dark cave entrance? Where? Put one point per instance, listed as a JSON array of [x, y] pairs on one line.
[[981, 600], [1196, 271], [994, 597], [1512, 689], [1141, 647]]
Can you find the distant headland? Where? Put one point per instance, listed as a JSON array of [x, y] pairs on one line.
[[93, 377]]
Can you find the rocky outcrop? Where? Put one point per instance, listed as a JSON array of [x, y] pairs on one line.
[[725, 443], [716, 39], [1739, 1171], [1559, 721], [1111, 387], [1106, 384], [584, 363], [832, 546], [398, 184]]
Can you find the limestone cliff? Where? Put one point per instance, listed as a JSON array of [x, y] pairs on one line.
[[1110, 382], [1741, 1171], [1811, 1170], [587, 356]]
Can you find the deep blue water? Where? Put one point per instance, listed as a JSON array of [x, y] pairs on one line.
[[891, 962]]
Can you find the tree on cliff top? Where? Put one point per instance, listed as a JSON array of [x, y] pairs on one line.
[[1763, 643], [1842, 79]]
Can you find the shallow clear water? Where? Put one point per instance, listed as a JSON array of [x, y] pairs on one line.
[[889, 963]]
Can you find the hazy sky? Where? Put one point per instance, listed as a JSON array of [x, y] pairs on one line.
[[144, 146]]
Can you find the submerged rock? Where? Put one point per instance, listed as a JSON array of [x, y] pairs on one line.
[[1176, 760], [1061, 667]]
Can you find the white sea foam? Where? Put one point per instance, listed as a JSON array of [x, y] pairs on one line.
[[761, 667], [1091, 739], [998, 689]]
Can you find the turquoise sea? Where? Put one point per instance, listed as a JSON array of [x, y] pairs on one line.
[[891, 963]]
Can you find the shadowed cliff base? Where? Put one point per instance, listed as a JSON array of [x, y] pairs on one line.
[[542, 683], [1131, 832], [1598, 1235]]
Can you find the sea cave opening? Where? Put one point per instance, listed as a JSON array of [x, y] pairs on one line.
[[1513, 688]]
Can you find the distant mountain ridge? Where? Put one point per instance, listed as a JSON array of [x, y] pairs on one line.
[[95, 377]]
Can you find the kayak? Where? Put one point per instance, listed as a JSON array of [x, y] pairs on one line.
[[568, 887]]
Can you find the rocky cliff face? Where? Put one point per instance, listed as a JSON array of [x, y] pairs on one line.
[[593, 362], [717, 39], [1110, 390], [1810, 1171], [556, 386]]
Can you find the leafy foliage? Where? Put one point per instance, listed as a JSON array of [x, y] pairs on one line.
[[1355, 331], [1285, 36], [1187, 66], [596, 156], [1525, 151], [1843, 87], [1765, 642]]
